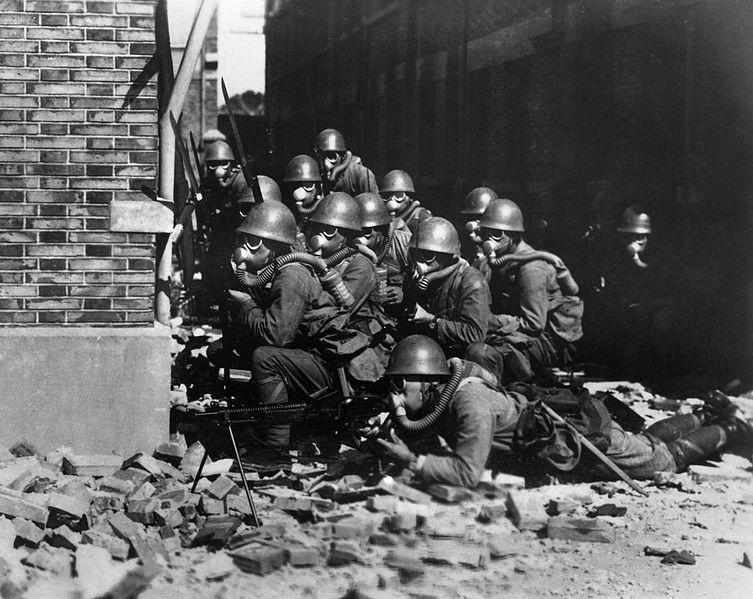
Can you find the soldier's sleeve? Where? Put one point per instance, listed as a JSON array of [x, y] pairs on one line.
[[534, 298], [473, 313], [287, 301], [360, 278], [474, 431], [367, 180]]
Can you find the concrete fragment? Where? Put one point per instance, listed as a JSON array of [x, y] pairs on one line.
[[267, 531], [19, 507], [297, 554], [499, 548], [526, 510], [64, 537], [352, 528], [153, 466], [173, 451], [27, 532], [450, 494], [105, 503], [403, 491], [192, 459], [92, 465], [212, 506], [408, 566], [258, 559], [580, 529], [221, 487], [144, 491], [170, 517], [460, 554], [142, 510]]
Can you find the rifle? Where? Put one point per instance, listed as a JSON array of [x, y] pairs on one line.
[[195, 196], [252, 179]]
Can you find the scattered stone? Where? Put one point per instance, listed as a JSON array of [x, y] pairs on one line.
[[144, 491], [142, 510], [679, 557], [27, 532], [219, 467], [580, 529], [92, 465], [489, 513], [8, 533], [408, 566], [297, 554], [18, 507], [403, 491], [384, 539], [173, 451], [450, 494], [452, 553], [403, 521], [562, 506], [238, 504], [192, 459], [212, 507], [217, 567], [703, 474], [22, 449], [221, 487], [117, 548], [258, 559], [49, 559], [382, 503], [169, 517], [607, 509], [216, 531], [63, 537], [607, 489], [343, 552], [527, 510], [499, 548]]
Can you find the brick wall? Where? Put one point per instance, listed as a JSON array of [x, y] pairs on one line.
[[78, 130]]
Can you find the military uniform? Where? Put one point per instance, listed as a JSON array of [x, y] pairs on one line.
[[533, 324], [356, 179], [460, 301]]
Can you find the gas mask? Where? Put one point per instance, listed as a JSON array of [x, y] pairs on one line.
[[328, 160], [251, 254], [222, 172], [370, 237], [305, 194], [416, 396], [397, 202], [496, 242], [472, 228], [324, 240], [423, 262], [636, 247]]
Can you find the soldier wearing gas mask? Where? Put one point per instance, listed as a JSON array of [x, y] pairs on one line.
[[444, 297], [389, 244], [340, 170], [398, 192], [273, 315], [303, 183], [536, 310], [473, 207]]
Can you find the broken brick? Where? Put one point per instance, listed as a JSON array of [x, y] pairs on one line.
[[221, 487], [491, 512], [382, 503], [212, 506], [92, 465], [192, 459], [63, 537], [384, 539], [562, 506], [409, 567], [28, 532], [173, 451], [142, 510], [526, 510], [18, 507], [143, 491], [580, 529], [172, 518], [400, 522], [22, 448], [259, 559], [450, 494], [343, 552], [68, 505], [118, 548], [104, 503], [607, 509], [238, 504], [452, 553], [216, 531], [403, 491]]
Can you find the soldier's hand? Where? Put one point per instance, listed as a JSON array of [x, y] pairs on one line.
[[239, 297], [393, 295], [372, 429], [421, 316], [396, 450]]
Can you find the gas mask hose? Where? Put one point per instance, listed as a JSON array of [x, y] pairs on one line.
[[426, 280], [634, 249], [338, 171], [456, 368], [307, 210], [564, 278]]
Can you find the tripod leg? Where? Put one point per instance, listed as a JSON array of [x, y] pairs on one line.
[[257, 522], [199, 471]]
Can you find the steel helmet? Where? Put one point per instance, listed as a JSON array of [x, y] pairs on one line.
[[374, 211], [477, 200], [218, 151], [330, 140], [635, 220], [213, 135], [436, 234], [270, 191], [338, 209], [504, 215], [302, 169], [418, 355], [270, 220], [397, 181]]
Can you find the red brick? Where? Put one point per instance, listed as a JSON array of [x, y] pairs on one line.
[[19, 74], [132, 277], [102, 130], [51, 291], [99, 170], [97, 278], [98, 183], [15, 195], [54, 33], [53, 102], [99, 75], [7, 18], [18, 317], [55, 250], [54, 196], [55, 47], [97, 264], [100, 143], [55, 223], [94, 291], [53, 156], [100, 62], [135, 143], [100, 7], [11, 115], [19, 47], [98, 304], [134, 35], [98, 197], [89, 211], [53, 20], [54, 277], [100, 35], [56, 115], [13, 88], [86, 237], [76, 170], [11, 278], [145, 291], [54, 6], [141, 23], [54, 129], [11, 250], [62, 89], [14, 264], [11, 60], [99, 89], [99, 21], [19, 156], [99, 48]]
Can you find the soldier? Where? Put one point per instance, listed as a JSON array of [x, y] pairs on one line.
[[537, 314], [340, 169], [473, 207], [472, 417], [274, 322], [304, 184], [444, 297], [225, 186], [270, 192], [398, 192], [389, 243]]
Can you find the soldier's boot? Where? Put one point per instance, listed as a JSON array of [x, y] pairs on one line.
[[697, 446], [716, 407], [674, 427]]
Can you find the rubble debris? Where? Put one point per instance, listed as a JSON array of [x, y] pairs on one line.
[[607, 489], [490, 512], [343, 552], [27, 532], [562, 506], [450, 494], [580, 529], [746, 561], [607, 509], [22, 449], [216, 531], [702, 474], [408, 566], [679, 557], [92, 465], [18, 506], [527, 510], [258, 559], [403, 491]]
